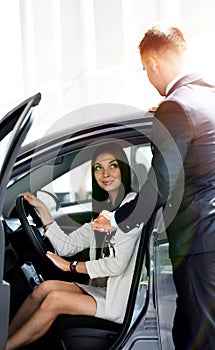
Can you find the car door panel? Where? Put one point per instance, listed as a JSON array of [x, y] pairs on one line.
[[15, 126]]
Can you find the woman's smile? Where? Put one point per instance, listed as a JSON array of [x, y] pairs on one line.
[[107, 182]]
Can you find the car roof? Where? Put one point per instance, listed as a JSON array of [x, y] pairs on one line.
[[123, 127]]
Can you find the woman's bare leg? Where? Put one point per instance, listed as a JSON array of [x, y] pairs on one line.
[[32, 302], [66, 299]]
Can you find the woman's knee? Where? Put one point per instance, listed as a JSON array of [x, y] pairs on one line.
[[51, 302], [41, 291]]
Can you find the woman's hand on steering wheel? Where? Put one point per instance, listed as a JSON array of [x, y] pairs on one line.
[[45, 215], [25, 208], [32, 200]]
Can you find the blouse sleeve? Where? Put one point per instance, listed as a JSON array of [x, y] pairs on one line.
[[67, 245]]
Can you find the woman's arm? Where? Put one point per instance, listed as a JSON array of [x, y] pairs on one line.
[[65, 244]]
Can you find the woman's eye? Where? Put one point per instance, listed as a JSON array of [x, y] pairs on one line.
[[114, 166], [97, 168]]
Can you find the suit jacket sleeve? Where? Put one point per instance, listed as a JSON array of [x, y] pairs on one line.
[[171, 136]]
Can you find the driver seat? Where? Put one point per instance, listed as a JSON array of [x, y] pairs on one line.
[[84, 332]]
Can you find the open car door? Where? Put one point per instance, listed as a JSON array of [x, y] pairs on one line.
[[13, 130]]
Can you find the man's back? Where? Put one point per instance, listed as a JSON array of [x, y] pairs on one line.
[[192, 107]]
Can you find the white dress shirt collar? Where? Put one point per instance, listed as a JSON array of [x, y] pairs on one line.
[[170, 85]]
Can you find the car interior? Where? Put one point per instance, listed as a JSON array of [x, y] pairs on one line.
[[26, 264]]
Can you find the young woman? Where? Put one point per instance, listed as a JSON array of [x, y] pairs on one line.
[[110, 272]]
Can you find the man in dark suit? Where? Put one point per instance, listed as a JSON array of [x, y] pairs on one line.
[[182, 181]]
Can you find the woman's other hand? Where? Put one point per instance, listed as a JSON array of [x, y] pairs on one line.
[[61, 263]]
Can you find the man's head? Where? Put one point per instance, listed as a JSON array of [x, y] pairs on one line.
[[162, 53]]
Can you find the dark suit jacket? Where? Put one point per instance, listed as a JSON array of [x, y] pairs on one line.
[[182, 176]]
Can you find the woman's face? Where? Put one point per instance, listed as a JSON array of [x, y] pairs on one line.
[[107, 173]]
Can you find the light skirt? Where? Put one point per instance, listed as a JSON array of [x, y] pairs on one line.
[[99, 294]]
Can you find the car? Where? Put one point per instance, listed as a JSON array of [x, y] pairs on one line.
[[55, 167]]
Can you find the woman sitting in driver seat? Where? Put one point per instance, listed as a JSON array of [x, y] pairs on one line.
[[110, 275]]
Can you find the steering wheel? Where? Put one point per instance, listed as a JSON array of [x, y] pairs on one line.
[[39, 242]]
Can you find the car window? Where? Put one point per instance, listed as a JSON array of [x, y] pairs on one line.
[[73, 189], [75, 185]]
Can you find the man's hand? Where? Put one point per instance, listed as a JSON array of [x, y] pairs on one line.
[[102, 222]]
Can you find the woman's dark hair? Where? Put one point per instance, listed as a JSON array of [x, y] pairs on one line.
[[100, 197]]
